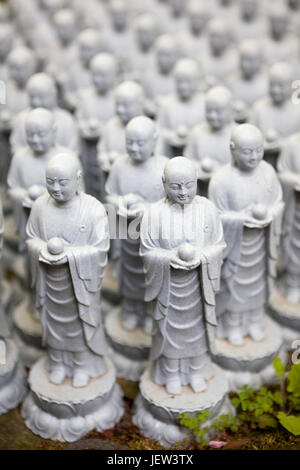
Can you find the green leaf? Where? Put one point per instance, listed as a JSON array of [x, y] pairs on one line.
[[267, 421], [291, 423], [279, 367], [294, 379]]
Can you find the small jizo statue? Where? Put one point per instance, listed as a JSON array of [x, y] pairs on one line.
[[135, 181], [248, 195], [68, 240], [182, 248]]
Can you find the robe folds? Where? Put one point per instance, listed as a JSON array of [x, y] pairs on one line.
[[249, 269], [4, 328], [86, 237], [165, 226]]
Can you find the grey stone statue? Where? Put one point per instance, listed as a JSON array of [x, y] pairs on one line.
[[160, 81], [41, 91], [95, 107], [181, 111], [277, 116], [135, 181], [67, 266], [208, 143], [249, 197], [182, 248], [6, 44], [193, 40], [79, 77], [12, 373], [251, 82], [129, 103], [250, 23]]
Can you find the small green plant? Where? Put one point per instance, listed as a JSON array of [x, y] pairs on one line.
[[195, 425], [256, 408]]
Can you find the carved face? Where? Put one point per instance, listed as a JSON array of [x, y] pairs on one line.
[[177, 7], [218, 41], [65, 31], [279, 25], [128, 107], [87, 51], [62, 183], [140, 145], [248, 154], [186, 85], [103, 79], [248, 9], [20, 71], [250, 64], [145, 37], [40, 137], [217, 114], [166, 59], [198, 22], [119, 19], [181, 188], [280, 89], [41, 98]]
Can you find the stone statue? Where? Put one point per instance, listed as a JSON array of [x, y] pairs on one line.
[[135, 181], [182, 249], [41, 91], [251, 82], [193, 41], [277, 116], [160, 81], [180, 111], [95, 107], [176, 20], [79, 76], [12, 372], [129, 103], [251, 24], [67, 266], [281, 45], [209, 142], [6, 44], [221, 59], [249, 197]]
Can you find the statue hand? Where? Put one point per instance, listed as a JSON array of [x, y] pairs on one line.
[[178, 263]]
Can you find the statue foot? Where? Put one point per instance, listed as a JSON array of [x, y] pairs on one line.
[[174, 387], [130, 322], [57, 376], [256, 332], [148, 326], [80, 379], [236, 338], [198, 384]]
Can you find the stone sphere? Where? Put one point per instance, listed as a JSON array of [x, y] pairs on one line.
[[35, 191], [182, 131], [259, 212], [207, 165], [186, 252], [55, 246]]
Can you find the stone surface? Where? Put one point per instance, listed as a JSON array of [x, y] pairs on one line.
[[287, 316]]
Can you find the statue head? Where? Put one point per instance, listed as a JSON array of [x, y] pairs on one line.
[[22, 64], [89, 45], [218, 36], [63, 177], [198, 15], [280, 82], [52, 6], [119, 14], [141, 138], [104, 72], [129, 99], [247, 147], [180, 180], [166, 53], [249, 9], [6, 40], [177, 7], [65, 25], [186, 74], [146, 29], [40, 130], [279, 20], [41, 91], [250, 58], [218, 109]]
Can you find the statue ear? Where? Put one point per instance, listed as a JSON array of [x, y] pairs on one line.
[[232, 145]]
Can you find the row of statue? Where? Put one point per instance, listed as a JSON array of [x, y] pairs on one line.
[[153, 146]]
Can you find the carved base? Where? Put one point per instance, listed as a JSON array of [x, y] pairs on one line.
[[252, 363], [287, 316], [12, 379], [156, 412], [129, 350], [64, 413], [27, 334]]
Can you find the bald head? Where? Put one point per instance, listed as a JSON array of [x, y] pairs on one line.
[[218, 109], [166, 53], [186, 74], [42, 91], [219, 95], [40, 130], [21, 62], [65, 24], [63, 177], [218, 34], [140, 138], [280, 81], [129, 99], [89, 42], [247, 146], [180, 180]]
